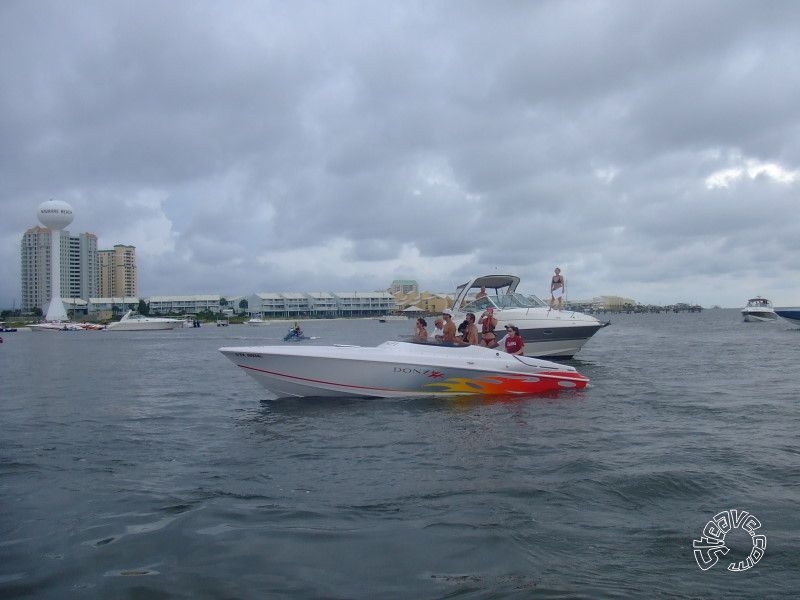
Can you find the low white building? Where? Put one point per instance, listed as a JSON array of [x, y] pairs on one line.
[[106, 307], [75, 306], [264, 305], [365, 304], [323, 304], [184, 304], [291, 305]]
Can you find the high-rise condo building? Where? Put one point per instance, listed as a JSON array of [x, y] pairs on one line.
[[118, 272], [83, 267], [78, 261]]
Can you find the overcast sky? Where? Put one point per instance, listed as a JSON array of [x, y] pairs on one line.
[[649, 149]]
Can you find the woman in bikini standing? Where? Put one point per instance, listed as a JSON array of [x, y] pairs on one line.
[[488, 323], [557, 290]]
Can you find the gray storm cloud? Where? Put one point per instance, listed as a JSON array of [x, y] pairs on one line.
[[649, 149]]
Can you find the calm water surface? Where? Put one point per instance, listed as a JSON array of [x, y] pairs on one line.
[[145, 465]]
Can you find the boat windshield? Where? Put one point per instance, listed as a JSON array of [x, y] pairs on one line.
[[501, 301], [758, 302]]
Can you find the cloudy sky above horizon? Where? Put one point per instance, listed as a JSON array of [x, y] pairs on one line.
[[649, 149]]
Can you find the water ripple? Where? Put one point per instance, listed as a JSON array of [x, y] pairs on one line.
[[175, 479]]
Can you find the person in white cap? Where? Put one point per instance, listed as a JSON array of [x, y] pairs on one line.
[[438, 331], [449, 329]]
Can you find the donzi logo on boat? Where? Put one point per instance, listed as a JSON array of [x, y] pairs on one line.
[[712, 543], [414, 371]]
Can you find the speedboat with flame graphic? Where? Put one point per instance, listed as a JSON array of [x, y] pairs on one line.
[[397, 369]]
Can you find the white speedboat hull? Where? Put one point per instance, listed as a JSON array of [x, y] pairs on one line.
[[399, 369], [550, 333], [56, 326], [759, 317], [141, 323], [143, 326], [257, 322]]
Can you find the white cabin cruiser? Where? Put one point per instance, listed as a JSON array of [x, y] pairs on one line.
[[758, 310], [398, 369], [547, 332], [130, 322], [257, 322]]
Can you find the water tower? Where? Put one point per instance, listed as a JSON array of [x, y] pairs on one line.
[[55, 215]]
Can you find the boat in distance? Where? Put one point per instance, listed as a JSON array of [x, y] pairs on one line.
[[789, 313], [758, 310], [130, 322], [399, 369], [548, 333], [257, 322]]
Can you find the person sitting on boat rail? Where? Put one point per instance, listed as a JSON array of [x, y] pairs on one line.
[[420, 331], [488, 323], [513, 341], [449, 329]]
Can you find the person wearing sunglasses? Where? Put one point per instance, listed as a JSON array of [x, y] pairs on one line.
[[513, 342]]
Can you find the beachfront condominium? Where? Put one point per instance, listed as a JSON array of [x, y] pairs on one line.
[[118, 272], [78, 261], [83, 267]]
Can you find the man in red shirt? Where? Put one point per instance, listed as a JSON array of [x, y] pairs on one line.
[[513, 341]]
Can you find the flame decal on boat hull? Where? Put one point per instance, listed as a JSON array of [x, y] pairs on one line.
[[499, 385]]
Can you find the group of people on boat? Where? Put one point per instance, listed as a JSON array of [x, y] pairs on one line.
[[482, 331], [445, 332]]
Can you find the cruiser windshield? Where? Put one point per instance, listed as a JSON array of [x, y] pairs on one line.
[[502, 301]]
